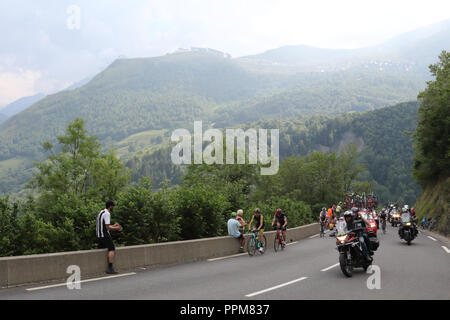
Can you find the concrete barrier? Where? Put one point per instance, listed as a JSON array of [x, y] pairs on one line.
[[47, 267]]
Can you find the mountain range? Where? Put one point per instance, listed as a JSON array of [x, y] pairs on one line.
[[133, 96]]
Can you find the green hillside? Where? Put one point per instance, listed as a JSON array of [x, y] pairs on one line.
[[434, 203], [431, 166], [383, 138], [135, 95]]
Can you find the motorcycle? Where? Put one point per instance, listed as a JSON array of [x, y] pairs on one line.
[[407, 230], [350, 250], [395, 219]]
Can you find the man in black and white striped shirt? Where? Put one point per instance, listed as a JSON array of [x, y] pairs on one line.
[[103, 235]]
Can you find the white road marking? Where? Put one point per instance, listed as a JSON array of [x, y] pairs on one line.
[[431, 238], [87, 280], [276, 287], [446, 249], [226, 257], [239, 254], [316, 235], [334, 265]]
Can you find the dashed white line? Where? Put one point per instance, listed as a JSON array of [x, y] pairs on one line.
[[226, 257], [334, 265], [431, 238], [291, 243], [82, 281], [446, 249], [276, 287], [316, 235]]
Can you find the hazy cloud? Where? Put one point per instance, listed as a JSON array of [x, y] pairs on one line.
[[37, 41]]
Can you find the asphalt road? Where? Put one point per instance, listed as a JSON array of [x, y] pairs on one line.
[[307, 269]]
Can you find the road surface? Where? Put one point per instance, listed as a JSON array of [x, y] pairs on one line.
[[307, 269]]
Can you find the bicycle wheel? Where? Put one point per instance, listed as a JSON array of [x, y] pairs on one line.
[[276, 243], [264, 244], [251, 246]]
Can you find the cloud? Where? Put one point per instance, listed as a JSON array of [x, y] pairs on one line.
[[35, 36], [14, 85]]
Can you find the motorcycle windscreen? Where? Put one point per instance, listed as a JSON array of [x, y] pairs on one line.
[[406, 217], [341, 226]]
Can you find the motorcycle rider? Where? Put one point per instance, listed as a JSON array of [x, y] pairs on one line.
[[353, 220], [405, 210], [376, 218]]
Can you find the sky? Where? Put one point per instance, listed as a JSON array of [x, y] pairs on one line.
[[48, 45]]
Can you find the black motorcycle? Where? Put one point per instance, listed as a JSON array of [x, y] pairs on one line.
[[350, 250], [408, 230]]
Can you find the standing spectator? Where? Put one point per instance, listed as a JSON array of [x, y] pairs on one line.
[[339, 210], [104, 237], [424, 220], [233, 230]]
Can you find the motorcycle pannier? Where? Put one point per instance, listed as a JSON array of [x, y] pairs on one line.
[[374, 243]]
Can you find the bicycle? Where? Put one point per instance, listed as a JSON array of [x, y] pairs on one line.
[[383, 226], [322, 229], [278, 241], [254, 244]]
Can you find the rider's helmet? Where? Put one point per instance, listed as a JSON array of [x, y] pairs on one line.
[[257, 210], [233, 214], [406, 207], [278, 212], [348, 214], [383, 210], [324, 209], [355, 211]]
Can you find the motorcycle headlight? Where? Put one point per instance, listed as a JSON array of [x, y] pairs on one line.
[[408, 224], [341, 238]]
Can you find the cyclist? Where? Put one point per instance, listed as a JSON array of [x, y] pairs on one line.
[[331, 218], [258, 218], [281, 220], [323, 219], [383, 218]]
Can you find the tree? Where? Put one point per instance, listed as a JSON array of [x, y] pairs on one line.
[[70, 188], [147, 217], [432, 137]]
